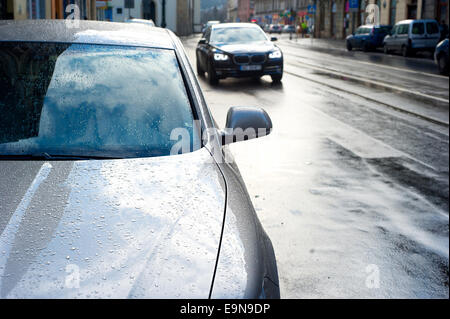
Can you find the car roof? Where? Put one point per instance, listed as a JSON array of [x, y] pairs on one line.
[[141, 21], [235, 25], [419, 20], [374, 26], [89, 32]]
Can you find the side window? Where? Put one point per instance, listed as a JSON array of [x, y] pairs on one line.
[[432, 27], [403, 29], [358, 31], [395, 30], [418, 28], [208, 34], [363, 31], [384, 30]]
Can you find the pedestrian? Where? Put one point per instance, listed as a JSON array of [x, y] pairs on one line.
[[299, 30], [304, 29]]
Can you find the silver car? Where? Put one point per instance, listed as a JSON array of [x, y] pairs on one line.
[[115, 181], [410, 36], [148, 22]]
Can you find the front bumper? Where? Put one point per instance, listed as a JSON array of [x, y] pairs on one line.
[[229, 68]]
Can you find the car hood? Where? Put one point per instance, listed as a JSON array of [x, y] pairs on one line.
[[258, 47], [147, 227]]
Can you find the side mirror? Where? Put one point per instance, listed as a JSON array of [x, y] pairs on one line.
[[245, 123], [273, 39], [202, 41]]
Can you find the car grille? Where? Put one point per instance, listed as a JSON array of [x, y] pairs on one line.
[[246, 59], [241, 59], [258, 58]]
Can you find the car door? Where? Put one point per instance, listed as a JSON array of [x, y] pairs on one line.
[[432, 34], [390, 40], [357, 38], [402, 36], [204, 49], [418, 36], [380, 34]]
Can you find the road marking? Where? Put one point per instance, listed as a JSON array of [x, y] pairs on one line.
[[377, 65], [398, 75], [362, 144], [374, 82], [432, 120], [376, 102], [9, 233]]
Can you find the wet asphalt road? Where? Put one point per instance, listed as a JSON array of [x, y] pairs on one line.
[[352, 191]]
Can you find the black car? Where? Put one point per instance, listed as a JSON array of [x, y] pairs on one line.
[[238, 50], [441, 56]]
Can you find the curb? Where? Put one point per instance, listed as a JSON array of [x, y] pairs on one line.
[[429, 119], [433, 100]]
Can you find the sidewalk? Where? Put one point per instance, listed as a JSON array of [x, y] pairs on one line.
[[336, 45], [316, 43]]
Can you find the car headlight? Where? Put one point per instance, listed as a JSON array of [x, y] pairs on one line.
[[220, 57], [275, 54]]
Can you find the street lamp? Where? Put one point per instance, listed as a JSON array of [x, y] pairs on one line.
[[163, 23]]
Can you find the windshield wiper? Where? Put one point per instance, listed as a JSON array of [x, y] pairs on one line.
[[53, 157]]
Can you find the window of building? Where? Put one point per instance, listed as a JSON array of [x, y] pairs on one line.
[[393, 12], [362, 12], [412, 10], [36, 9], [442, 11]]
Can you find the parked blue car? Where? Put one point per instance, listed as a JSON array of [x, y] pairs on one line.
[[368, 37]]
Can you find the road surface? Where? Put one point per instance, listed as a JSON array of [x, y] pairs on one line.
[[352, 185]]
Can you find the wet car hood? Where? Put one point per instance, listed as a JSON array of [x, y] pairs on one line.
[[145, 227], [257, 47]]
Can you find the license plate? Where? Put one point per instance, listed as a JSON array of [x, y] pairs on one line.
[[251, 67]]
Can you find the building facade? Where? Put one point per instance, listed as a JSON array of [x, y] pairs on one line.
[[232, 11], [45, 9], [181, 16], [245, 10], [339, 18], [280, 11]]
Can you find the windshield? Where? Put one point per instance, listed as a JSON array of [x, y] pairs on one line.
[[95, 100], [237, 35]]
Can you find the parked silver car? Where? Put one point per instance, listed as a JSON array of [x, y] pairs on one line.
[[410, 36], [143, 21], [114, 180]]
